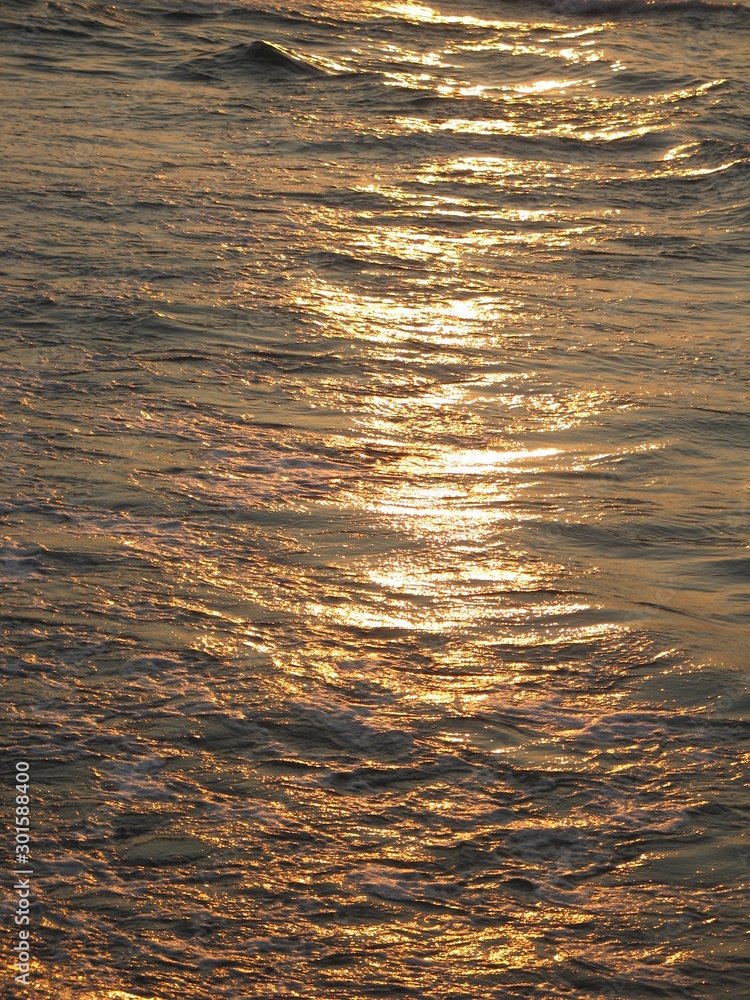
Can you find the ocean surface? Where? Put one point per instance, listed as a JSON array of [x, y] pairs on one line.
[[375, 560]]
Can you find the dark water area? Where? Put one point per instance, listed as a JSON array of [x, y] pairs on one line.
[[374, 559]]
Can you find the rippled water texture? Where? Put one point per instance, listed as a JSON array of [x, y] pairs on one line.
[[374, 560]]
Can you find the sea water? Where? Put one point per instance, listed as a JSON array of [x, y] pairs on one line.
[[374, 573]]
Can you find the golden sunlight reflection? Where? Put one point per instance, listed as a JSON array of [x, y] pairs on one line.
[[374, 540], [417, 13], [383, 320]]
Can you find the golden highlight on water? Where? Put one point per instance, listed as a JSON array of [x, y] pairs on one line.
[[374, 559]]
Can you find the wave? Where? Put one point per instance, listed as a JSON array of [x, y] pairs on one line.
[[639, 7], [258, 57]]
